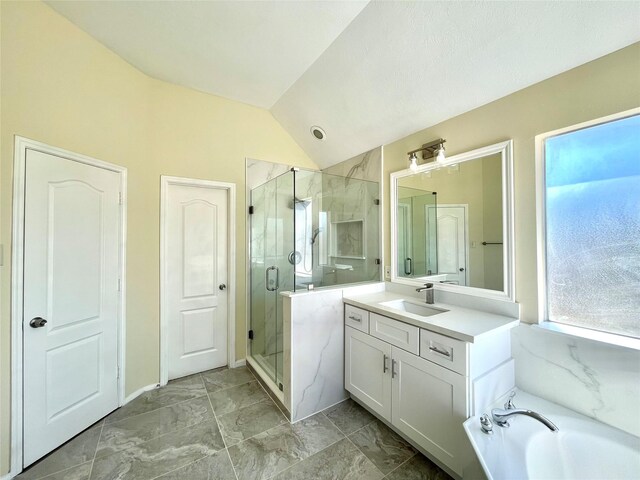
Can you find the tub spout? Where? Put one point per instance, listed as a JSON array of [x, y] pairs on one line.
[[501, 417]]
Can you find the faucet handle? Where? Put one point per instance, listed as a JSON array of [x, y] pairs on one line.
[[486, 424], [509, 405]]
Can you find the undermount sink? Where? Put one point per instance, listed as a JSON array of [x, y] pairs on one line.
[[414, 308]]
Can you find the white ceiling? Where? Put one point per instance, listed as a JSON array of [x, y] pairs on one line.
[[367, 73]]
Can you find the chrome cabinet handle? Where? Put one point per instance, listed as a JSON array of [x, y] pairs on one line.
[[441, 352], [354, 318], [393, 368], [384, 364]]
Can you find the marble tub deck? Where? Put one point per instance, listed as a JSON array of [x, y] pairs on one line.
[[222, 425]]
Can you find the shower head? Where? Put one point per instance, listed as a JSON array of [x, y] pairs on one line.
[[316, 232], [296, 200]]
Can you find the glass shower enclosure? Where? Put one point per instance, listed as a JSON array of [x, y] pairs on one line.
[[307, 230]]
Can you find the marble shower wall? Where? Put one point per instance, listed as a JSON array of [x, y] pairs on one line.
[[596, 379], [366, 166], [314, 348]]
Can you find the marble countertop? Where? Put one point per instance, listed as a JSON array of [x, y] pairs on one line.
[[457, 322]]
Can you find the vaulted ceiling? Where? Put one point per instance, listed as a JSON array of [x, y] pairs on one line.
[[368, 73]]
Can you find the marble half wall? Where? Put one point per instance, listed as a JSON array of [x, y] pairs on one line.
[[314, 348], [596, 379]]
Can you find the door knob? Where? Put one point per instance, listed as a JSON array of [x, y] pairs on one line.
[[222, 286], [37, 322], [461, 269]]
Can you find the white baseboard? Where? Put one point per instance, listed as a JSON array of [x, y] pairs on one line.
[[6, 476], [137, 393], [239, 363]]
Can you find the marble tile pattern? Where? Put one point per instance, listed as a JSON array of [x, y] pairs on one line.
[[593, 378], [366, 166], [259, 172], [343, 442]]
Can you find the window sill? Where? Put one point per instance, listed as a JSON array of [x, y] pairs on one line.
[[593, 335]]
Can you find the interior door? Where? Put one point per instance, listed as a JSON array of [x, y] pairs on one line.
[[71, 299], [452, 243], [196, 246]]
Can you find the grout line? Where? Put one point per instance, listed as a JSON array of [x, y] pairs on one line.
[[104, 421], [275, 403], [224, 442], [414, 454]]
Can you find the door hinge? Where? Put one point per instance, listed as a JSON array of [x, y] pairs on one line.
[[378, 261], [251, 210], [250, 334], [119, 284], [118, 377], [281, 387], [376, 201], [119, 198]]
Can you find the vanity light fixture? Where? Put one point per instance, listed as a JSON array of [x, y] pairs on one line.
[[434, 150]]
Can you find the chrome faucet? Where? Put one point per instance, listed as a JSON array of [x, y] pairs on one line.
[[500, 417], [428, 288]]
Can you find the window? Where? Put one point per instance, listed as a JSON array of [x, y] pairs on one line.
[[589, 179]]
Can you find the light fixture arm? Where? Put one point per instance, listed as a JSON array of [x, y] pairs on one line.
[[428, 149]]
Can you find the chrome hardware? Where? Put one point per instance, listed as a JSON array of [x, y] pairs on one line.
[[267, 279], [354, 318], [509, 405], [393, 368], [222, 286], [408, 266], [441, 352], [428, 288], [486, 424], [37, 322], [384, 364], [500, 417]]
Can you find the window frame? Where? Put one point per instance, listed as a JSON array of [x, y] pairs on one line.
[[541, 237]]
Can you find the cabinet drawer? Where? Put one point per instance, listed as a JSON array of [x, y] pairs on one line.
[[445, 351], [396, 333], [356, 317]]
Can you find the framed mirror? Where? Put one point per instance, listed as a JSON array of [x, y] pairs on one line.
[[452, 223]]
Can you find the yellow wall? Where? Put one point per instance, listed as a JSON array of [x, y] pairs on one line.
[[61, 87], [605, 86]]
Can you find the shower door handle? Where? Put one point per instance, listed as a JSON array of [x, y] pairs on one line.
[[267, 278], [408, 267]]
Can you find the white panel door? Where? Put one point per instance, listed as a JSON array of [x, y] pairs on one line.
[[71, 265], [429, 406], [196, 246], [368, 371], [452, 243]]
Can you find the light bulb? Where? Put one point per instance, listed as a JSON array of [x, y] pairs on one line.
[[413, 162], [440, 154]]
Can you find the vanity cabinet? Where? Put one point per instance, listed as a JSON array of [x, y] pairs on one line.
[[419, 381], [422, 400]]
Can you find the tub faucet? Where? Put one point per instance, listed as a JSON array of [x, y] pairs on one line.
[[500, 417], [428, 288]]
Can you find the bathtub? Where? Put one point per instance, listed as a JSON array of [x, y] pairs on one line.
[[582, 449]]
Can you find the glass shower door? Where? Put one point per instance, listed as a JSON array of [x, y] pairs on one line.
[[272, 239]]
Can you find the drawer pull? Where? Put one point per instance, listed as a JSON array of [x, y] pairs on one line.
[[441, 352], [393, 368], [355, 319], [384, 364]]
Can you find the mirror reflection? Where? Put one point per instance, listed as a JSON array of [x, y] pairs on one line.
[[450, 224]]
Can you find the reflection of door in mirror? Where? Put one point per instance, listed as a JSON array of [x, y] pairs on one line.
[[451, 239], [404, 239]]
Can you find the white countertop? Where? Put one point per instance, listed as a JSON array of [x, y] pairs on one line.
[[458, 322]]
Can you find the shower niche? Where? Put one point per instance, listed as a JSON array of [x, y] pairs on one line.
[[308, 230]]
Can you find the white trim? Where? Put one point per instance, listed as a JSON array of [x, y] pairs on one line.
[[140, 391], [165, 181], [17, 277], [239, 363], [541, 208], [504, 148]]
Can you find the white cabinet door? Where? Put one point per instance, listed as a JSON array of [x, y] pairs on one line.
[[429, 406], [368, 371]]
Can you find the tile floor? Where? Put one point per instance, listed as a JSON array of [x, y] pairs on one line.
[[222, 425]]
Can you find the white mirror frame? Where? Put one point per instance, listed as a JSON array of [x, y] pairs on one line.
[[506, 150]]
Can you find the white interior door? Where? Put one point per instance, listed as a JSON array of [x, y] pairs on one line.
[[196, 277], [452, 242], [71, 282]]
